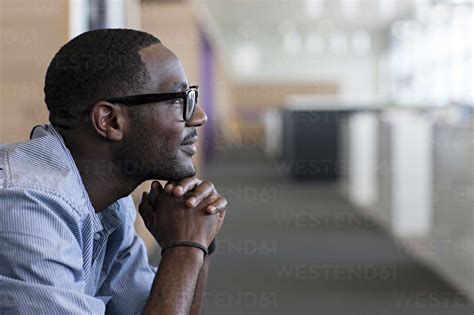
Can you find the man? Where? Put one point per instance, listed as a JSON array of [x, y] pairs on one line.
[[121, 113]]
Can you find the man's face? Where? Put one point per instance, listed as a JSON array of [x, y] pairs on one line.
[[154, 147]]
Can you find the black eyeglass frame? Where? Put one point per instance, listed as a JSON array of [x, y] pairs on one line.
[[142, 99]]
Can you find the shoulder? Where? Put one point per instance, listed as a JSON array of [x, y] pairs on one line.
[[40, 165]]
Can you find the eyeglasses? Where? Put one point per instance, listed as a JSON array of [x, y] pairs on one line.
[[188, 98]]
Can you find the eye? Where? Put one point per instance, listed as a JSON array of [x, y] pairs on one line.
[[177, 101]]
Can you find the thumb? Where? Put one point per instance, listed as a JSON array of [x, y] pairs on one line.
[[155, 192]]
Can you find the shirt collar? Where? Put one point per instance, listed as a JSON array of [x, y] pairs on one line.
[[108, 219]]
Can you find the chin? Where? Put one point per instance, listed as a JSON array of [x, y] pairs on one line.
[[190, 171], [177, 174]]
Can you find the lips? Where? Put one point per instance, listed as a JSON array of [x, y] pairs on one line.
[[188, 146], [190, 141]]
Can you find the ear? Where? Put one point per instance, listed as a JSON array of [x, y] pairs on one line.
[[108, 120]]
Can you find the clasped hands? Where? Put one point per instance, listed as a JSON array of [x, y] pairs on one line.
[[188, 210]]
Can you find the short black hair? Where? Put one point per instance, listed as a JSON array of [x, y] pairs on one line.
[[94, 66]]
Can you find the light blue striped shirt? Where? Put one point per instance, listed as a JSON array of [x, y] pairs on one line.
[[57, 255]]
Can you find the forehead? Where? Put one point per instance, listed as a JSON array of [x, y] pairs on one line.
[[165, 69]]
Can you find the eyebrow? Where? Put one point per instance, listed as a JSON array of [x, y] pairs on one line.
[[180, 86]]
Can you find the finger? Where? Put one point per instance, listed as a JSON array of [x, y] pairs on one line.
[[207, 202], [218, 206], [185, 185], [152, 195], [155, 191], [204, 190], [169, 186], [144, 200], [145, 208]]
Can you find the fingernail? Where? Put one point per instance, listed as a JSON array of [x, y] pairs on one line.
[[168, 187], [192, 201], [211, 208], [179, 188]]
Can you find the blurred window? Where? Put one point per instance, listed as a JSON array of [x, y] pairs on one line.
[[431, 57]]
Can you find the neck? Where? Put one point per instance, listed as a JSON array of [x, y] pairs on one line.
[[102, 177], [103, 182]]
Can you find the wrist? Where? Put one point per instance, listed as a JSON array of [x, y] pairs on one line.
[[185, 244], [187, 254]]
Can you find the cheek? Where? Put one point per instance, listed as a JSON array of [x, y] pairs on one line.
[[172, 136], [167, 128]]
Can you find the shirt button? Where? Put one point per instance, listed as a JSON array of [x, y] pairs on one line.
[[97, 236]]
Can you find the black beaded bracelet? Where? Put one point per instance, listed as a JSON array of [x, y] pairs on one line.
[[185, 243]]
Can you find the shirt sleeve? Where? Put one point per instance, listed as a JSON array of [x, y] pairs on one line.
[[131, 277], [41, 265]]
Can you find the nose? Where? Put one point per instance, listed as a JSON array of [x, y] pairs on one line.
[[199, 118]]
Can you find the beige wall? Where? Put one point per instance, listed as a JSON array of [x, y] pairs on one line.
[[32, 31], [266, 95]]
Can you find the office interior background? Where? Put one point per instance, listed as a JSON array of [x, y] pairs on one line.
[[340, 131]]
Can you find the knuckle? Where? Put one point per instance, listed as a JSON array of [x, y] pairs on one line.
[[188, 179], [209, 184], [188, 183]]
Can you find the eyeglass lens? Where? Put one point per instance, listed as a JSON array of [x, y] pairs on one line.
[[190, 104]]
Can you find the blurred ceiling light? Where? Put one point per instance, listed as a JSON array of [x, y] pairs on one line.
[[314, 8], [361, 42], [314, 43], [387, 8], [338, 42], [246, 59], [350, 8], [439, 14]]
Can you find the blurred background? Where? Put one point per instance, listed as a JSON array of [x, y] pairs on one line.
[[340, 131]]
